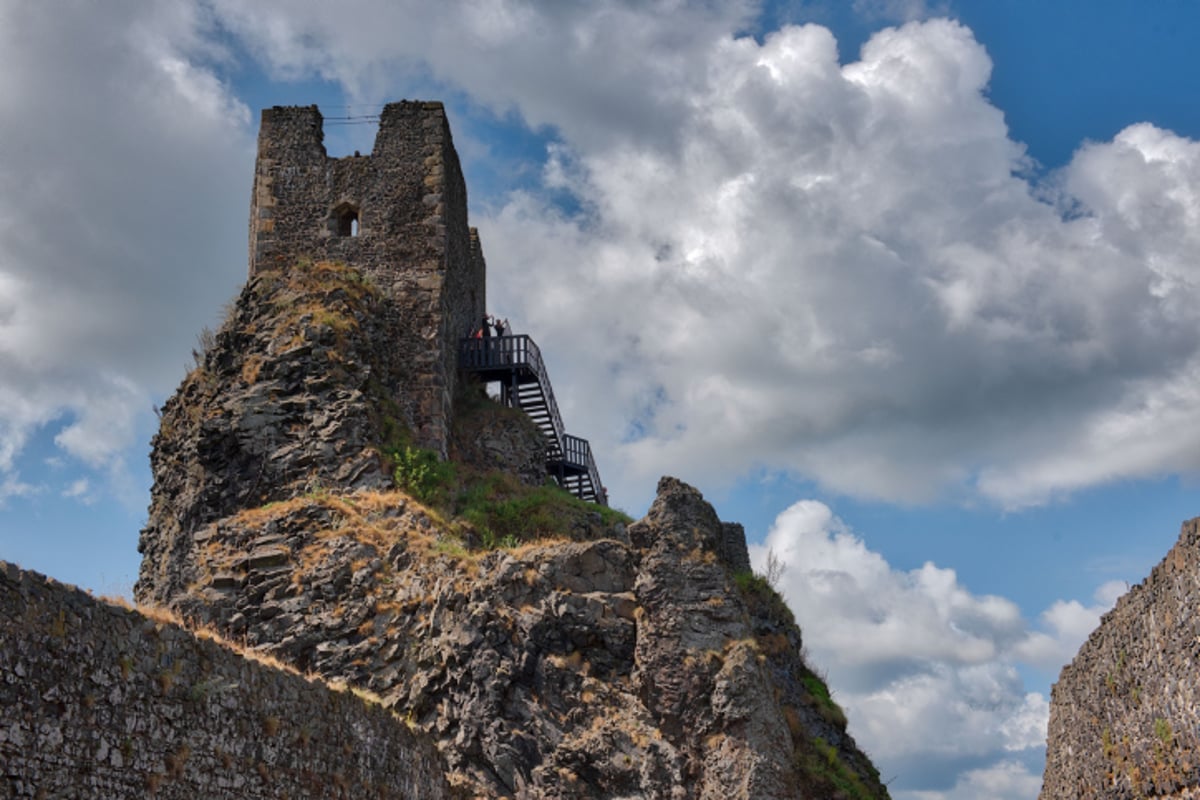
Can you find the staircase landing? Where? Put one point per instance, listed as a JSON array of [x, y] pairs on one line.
[[515, 362]]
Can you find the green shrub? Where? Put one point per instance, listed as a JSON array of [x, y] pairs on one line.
[[423, 475], [1162, 729], [824, 774]]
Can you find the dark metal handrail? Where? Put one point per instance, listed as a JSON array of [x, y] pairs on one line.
[[578, 453], [515, 351], [512, 354]]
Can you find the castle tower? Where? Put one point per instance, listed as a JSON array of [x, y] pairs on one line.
[[399, 215]]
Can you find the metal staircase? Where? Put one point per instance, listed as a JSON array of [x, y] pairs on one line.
[[515, 362]]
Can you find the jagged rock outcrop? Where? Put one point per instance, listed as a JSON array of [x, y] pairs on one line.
[[301, 390], [1125, 713], [546, 647], [526, 644], [627, 665]]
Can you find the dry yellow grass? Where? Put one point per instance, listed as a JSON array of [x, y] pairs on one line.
[[250, 369]]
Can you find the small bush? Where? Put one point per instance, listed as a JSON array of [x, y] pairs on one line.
[[423, 475]]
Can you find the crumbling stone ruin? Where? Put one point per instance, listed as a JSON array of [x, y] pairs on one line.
[[1125, 713], [102, 702], [400, 216], [584, 655]]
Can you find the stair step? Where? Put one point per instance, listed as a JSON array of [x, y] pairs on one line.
[[527, 387]]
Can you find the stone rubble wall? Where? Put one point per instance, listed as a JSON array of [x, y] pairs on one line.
[[1125, 713], [102, 702], [732, 547], [413, 238]]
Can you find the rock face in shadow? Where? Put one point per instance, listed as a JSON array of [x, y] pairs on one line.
[[1125, 714]]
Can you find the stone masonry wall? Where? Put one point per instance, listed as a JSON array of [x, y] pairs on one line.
[[410, 200], [1125, 713], [99, 701], [732, 547]]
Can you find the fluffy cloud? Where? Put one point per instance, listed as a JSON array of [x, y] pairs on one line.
[[1007, 780], [1066, 624], [593, 70], [841, 272], [776, 256], [927, 670], [123, 158], [10, 486]]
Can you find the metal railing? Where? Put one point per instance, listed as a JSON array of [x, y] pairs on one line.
[[510, 353], [496, 351], [518, 360], [578, 453]]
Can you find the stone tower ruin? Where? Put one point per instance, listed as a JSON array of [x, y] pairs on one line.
[[399, 215]]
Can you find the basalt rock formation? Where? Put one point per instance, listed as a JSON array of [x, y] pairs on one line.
[[629, 665], [586, 658], [295, 394], [1125, 713], [332, 490]]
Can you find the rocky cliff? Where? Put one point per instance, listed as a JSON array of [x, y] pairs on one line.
[[301, 390], [547, 647], [1125, 714]]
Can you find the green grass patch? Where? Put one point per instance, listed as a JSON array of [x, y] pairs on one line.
[[505, 513], [824, 773], [824, 703], [762, 599], [1162, 730], [494, 506]]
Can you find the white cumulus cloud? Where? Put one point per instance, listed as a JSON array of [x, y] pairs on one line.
[[782, 256], [927, 670], [1007, 780], [124, 161], [844, 272]]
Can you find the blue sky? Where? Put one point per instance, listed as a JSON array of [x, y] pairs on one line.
[[907, 288]]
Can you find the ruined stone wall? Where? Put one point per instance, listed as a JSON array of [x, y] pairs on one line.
[[410, 201], [1125, 714], [732, 547], [99, 701]]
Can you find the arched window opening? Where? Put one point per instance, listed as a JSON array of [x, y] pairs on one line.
[[344, 220]]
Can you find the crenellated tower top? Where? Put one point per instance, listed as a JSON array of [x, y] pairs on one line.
[[398, 214]]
